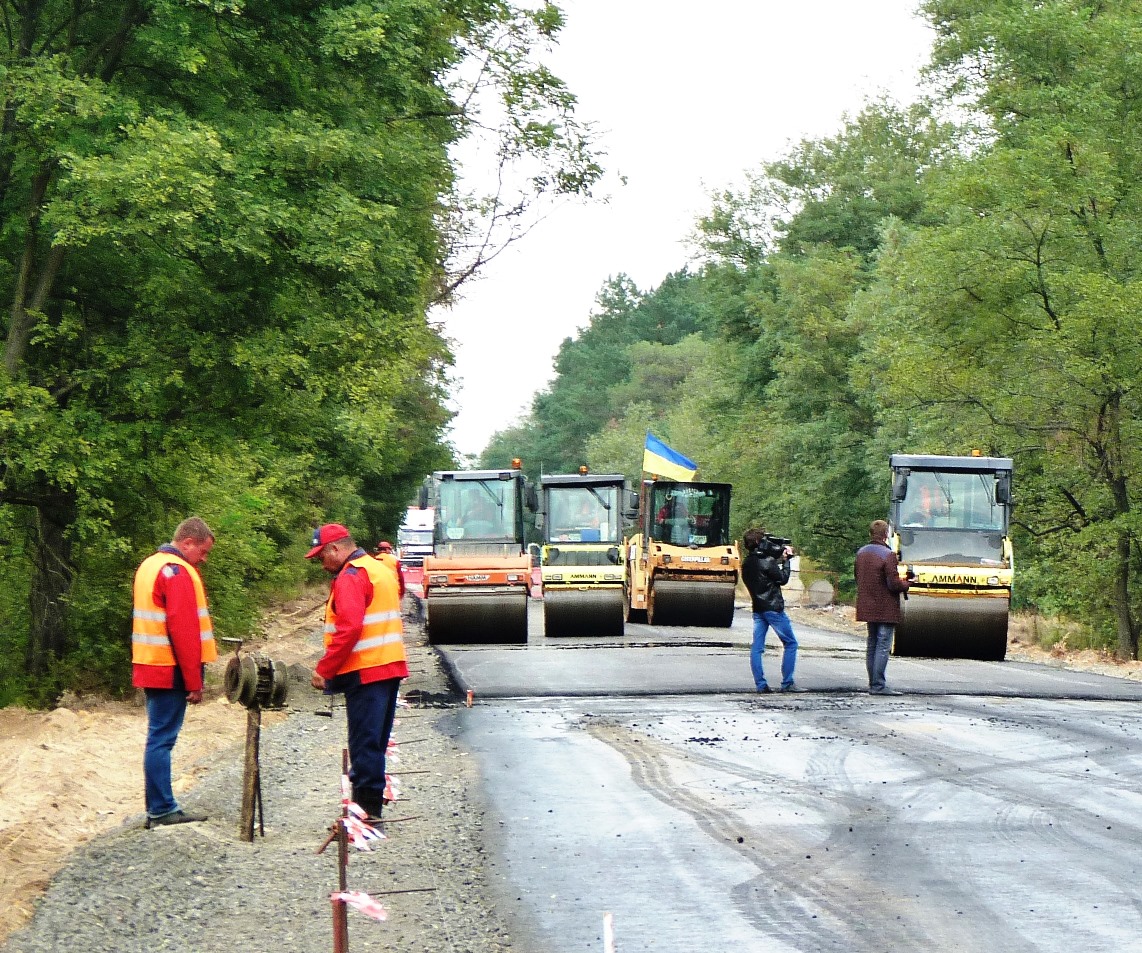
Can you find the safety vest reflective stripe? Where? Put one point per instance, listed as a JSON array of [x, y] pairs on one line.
[[369, 619], [137, 639], [150, 643], [380, 641]]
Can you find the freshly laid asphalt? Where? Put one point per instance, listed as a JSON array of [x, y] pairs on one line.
[[643, 783], [699, 661]]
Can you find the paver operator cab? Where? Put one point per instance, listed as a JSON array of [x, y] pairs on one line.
[[950, 522], [476, 579]]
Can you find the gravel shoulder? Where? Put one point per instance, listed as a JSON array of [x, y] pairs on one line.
[[200, 887]]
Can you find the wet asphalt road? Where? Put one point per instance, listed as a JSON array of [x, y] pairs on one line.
[[993, 806]]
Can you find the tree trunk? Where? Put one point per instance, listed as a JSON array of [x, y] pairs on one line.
[[52, 576], [1113, 461], [1127, 628]]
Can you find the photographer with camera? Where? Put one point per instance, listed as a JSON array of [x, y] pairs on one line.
[[764, 571], [879, 588]]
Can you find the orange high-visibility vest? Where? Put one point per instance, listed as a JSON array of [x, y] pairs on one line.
[[390, 560], [150, 643], [380, 642]]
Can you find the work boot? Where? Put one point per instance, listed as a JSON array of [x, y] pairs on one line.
[[371, 804], [174, 817]]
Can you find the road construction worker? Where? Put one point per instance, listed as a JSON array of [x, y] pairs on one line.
[[171, 639], [364, 655], [386, 555]]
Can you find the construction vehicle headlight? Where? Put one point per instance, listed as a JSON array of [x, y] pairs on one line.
[[666, 558], [439, 580], [611, 575], [512, 577], [993, 580], [555, 577], [725, 560]]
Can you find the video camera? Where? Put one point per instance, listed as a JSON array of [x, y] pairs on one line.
[[773, 546]]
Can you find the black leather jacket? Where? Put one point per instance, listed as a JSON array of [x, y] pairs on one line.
[[763, 577]]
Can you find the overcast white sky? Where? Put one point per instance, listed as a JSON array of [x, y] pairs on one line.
[[686, 97]]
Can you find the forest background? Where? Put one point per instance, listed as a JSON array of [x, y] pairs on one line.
[[223, 224]]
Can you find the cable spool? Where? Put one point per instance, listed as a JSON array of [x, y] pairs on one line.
[[254, 681]]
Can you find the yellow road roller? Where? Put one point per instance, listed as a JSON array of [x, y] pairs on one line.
[[949, 526], [682, 567], [581, 518], [477, 578]]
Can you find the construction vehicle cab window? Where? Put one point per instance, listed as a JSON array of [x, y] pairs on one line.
[[584, 514], [477, 509], [951, 501], [689, 515]]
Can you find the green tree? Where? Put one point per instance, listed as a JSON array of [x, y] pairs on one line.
[[1017, 316], [221, 224], [792, 254]]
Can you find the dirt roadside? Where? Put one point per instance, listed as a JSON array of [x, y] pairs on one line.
[[68, 775]]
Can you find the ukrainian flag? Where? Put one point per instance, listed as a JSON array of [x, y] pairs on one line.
[[659, 459]]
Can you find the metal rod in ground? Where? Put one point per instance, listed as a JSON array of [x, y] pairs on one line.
[[258, 780], [340, 926], [387, 893], [340, 910], [250, 780]]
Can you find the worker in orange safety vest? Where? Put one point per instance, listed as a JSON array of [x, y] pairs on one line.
[[364, 655], [172, 638], [386, 555]]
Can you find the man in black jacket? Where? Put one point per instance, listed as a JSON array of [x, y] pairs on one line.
[[764, 571]]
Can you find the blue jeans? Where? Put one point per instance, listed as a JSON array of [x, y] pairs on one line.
[[369, 711], [781, 625], [166, 708], [876, 657]]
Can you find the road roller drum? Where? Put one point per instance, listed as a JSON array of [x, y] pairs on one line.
[[684, 602], [477, 618], [583, 612], [953, 626]]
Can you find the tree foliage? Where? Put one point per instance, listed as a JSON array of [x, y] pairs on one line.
[[221, 225], [1021, 307]]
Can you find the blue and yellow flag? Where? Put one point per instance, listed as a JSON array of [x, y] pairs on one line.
[[660, 459]]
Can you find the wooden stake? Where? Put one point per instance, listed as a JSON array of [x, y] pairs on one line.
[[251, 778], [340, 910]]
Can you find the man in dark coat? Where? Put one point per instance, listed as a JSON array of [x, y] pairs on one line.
[[879, 587], [764, 571]]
